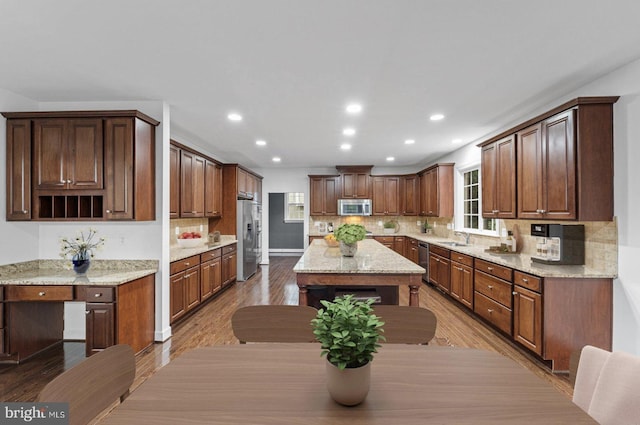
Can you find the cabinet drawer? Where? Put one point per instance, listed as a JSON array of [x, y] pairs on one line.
[[413, 242], [496, 289], [228, 249], [528, 281], [384, 239], [494, 269], [100, 294], [180, 265], [210, 255], [1, 293], [39, 293], [497, 314], [462, 258], [443, 252]]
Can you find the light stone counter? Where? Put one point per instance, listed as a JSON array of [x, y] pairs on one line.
[[59, 272], [371, 257], [177, 253]]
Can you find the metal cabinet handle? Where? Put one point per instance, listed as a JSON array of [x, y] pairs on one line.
[[24, 211], [186, 263], [524, 279], [489, 311], [458, 268], [514, 293], [495, 211], [490, 287], [87, 312], [108, 211], [490, 268], [42, 294], [69, 181], [63, 181], [98, 295]]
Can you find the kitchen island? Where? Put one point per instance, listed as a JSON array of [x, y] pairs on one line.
[[373, 265]]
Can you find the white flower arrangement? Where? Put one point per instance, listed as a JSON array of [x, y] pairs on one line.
[[81, 247]]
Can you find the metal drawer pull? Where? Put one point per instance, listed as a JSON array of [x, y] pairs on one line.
[[490, 268], [24, 211], [98, 295], [524, 279], [489, 311], [459, 268], [514, 293], [186, 263], [42, 293], [490, 286], [108, 211]]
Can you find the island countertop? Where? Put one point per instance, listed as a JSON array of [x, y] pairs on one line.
[[371, 258]]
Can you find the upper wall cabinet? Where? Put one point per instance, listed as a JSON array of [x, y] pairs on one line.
[[436, 191], [174, 181], [499, 178], [324, 192], [410, 199], [564, 162], [386, 195], [191, 184], [356, 181], [68, 165]]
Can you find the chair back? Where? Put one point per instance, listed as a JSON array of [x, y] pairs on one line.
[[616, 397], [407, 325], [94, 384], [589, 366], [274, 323]]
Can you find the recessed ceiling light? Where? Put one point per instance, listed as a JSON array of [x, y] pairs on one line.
[[353, 108], [390, 158], [349, 131], [345, 146], [409, 142], [436, 117], [456, 141], [260, 142], [233, 116], [276, 159]]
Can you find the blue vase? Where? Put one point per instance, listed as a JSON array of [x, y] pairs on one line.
[[80, 265]]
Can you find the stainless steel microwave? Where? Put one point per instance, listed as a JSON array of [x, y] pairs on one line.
[[354, 206]]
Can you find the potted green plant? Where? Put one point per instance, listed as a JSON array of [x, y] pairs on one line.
[[350, 334], [348, 235], [390, 226]]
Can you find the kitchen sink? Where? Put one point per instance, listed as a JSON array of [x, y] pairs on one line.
[[454, 243]]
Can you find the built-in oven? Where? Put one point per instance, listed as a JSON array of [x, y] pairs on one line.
[[423, 259]]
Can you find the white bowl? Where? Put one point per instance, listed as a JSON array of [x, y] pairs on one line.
[[190, 243]]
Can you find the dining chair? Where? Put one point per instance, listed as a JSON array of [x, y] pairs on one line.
[[274, 323], [616, 397], [587, 371], [407, 325], [94, 384]]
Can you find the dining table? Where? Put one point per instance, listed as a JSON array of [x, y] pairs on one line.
[[279, 384]]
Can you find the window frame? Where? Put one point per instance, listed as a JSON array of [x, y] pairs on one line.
[[287, 218], [459, 203]]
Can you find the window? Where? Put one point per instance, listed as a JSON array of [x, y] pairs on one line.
[[293, 207], [469, 215]]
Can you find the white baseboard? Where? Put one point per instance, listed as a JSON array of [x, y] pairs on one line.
[[286, 252]]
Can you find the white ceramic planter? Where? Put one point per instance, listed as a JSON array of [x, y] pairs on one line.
[[349, 386], [348, 250]]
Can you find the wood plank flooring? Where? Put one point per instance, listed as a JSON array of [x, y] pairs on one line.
[[273, 284]]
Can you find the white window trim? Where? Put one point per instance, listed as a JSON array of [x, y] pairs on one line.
[[458, 221], [286, 209]]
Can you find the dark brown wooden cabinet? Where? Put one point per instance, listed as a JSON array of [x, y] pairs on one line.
[[324, 193], [411, 250], [387, 241], [498, 172], [100, 322], [212, 189], [191, 184], [527, 318], [436, 191], [410, 195], [493, 294], [174, 182], [192, 286], [399, 245], [355, 181], [67, 154], [462, 278], [386, 195], [177, 294], [229, 264], [18, 170], [439, 268], [210, 274]]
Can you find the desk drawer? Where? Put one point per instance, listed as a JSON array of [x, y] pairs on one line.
[[462, 258], [527, 281], [180, 265], [494, 269], [494, 288], [104, 294], [228, 249], [497, 314], [210, 255], [39, 293]]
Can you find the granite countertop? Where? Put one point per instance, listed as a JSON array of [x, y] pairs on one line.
[[177, 253], [371, 258], [59, 272]]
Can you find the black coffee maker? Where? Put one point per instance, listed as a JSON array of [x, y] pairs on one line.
[[558, 243]]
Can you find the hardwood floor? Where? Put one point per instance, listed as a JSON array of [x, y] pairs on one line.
[[273, 284]]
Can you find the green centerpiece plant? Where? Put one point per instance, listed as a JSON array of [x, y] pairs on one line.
[[348, 235], [350, 334]]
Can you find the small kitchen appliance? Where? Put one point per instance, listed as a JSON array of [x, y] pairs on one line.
[[354, 206], [558, 243]]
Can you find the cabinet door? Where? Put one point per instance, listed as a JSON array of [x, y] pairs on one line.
[[178, 302], [174, 182], [85, 150], [399, 244], [229, 268], [499, 179], [331, 194], [410, 199], [192, 285], [356, 185], [462, 283], [444, 274], [392, 195], [242, 181], [209, 189], [18, 170], [431, 194], [118, 153], [191, 185], [434, 260], [527, 319], [210, 278], [217, 191], [379, 196], [100, 332], [558, 150], [49, 153], [530, 181]]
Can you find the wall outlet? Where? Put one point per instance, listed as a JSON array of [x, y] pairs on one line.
[[379, 223], [418, 223], [449, 226]]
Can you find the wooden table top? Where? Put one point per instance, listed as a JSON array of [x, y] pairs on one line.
[[285, 384]]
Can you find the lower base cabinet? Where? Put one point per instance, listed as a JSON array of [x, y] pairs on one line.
[[229, 264], [439, 268], [462, 283]]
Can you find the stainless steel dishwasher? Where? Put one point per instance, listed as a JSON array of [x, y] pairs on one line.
[[423, 259]]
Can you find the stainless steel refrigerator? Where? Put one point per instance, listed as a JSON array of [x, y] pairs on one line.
[[249, 238]]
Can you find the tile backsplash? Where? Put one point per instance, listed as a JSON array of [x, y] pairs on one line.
[[200, 225]]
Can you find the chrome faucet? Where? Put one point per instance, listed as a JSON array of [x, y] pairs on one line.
[[466, 236]]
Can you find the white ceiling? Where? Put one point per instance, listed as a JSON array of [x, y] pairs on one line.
[[290, 67]]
